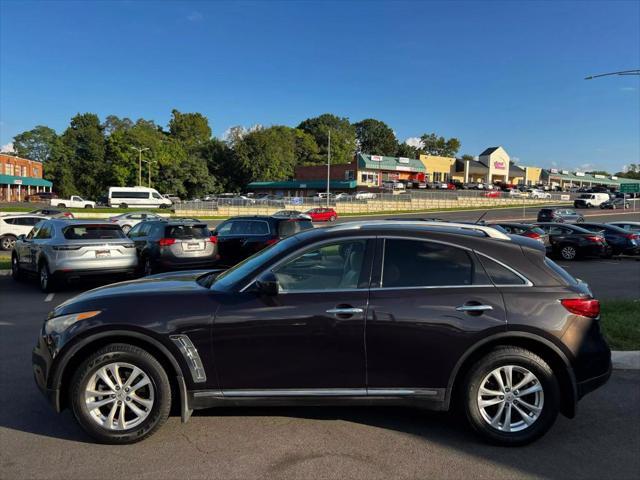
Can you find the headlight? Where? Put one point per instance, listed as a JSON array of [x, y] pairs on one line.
[[61, 323]]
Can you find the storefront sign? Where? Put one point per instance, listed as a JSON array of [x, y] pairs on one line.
[[403, 160], [404, 169], [600, 176], [579, 174], [554, 170], [17, 181], [565, 197], [498, 165], [565, 172], [376, 158]]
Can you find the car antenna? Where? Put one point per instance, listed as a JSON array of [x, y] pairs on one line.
[[481, 217]]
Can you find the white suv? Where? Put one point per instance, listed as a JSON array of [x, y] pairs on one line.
[[12, 226]]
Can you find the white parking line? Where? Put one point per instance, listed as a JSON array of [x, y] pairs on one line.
[[49, 297]]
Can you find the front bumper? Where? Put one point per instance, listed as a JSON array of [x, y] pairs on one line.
[[41, 362]]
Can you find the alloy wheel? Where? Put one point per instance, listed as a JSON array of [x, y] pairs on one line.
[[568, 253], [119, 396], [8, 243], [510, 398]]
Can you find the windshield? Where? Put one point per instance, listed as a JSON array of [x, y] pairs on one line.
[[244, 268]]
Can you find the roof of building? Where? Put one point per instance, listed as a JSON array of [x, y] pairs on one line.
[[24, 181], [380, 162], [489, 151], [476, 167], [302, 184], [12, 155], [572, 177], [516, 171]]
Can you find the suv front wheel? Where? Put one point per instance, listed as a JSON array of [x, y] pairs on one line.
[[511, 396], [120, 394]]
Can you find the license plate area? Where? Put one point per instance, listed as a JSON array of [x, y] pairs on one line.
[[191, 246], [103, 253]]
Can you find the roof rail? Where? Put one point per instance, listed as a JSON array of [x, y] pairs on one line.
[[488, 231]]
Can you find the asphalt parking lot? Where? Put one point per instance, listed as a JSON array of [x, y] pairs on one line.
[[603, 441]]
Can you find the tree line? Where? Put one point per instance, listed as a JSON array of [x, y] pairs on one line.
[[186, 160]]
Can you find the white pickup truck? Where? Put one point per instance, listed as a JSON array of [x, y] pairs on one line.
[[73, 202]]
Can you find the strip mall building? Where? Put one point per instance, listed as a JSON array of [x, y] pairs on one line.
[[20, 177], [371, 172]]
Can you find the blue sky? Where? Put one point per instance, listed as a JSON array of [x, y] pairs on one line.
[[489, 73]]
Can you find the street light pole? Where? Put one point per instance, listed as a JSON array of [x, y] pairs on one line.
[[328, 168], [149, 162], [139, 150]]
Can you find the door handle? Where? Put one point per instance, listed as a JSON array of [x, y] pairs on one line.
[[474, 308], [345, 311]]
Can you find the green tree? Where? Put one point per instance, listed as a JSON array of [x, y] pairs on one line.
[[222, 166], [343, 137], [58, 169], [306, 148], [406, 150], [466, 157], [191, 129], [35, 144], [433, 144], [85, 139], [375, 137], [267, 154], [113, 123]]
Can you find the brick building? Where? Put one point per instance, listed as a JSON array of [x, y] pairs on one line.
[[20, 177]]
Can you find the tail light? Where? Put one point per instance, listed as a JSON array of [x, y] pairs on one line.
[[594, 238], [165, 242], [532, 235], [586, 307], [271, 241], [632, 236], [213, 239]]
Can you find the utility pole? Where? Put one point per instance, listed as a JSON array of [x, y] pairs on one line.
[[149, 162], [328, 168], [139, 150]]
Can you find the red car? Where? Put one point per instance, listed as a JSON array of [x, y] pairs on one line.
[[322, 214], [493, 194]]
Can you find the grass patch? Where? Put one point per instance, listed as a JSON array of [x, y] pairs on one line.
[[620, 321], [5, 260]]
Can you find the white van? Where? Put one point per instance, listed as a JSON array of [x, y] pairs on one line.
[[587, 200], [125, 197]]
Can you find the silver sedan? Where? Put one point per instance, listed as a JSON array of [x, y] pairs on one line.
[[129, 220]]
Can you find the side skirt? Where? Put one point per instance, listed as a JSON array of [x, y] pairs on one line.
[[428, 398]]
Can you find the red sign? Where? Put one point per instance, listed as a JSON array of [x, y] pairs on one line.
[[498, 165]]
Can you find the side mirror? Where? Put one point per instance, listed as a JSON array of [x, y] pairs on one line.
[[22, 237], [267, 284]]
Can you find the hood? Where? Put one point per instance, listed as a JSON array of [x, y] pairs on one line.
[[173, 282]]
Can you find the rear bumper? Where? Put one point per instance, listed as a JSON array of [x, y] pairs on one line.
[[93, 273], [187, 263], [591, 384]]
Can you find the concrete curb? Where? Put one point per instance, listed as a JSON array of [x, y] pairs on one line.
[[5, 273], [626, 360]]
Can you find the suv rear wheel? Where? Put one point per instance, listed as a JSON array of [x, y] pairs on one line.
[[47, 282], [7, 242], [16, 271], [120, 394], [512, 396]]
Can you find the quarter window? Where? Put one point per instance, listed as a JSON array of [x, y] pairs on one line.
[[499, 274], [335, 266], [415, 263]]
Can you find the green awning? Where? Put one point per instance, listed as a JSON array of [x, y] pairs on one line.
[[24, 181], [398, 164], [572, 177]]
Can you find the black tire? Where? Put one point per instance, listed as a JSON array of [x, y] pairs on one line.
[[16, 271], [88, 206], [148, 267], [47, 282], [580, 220], [123, 205], [545, 378], [129, 354], [62, 205], [332, 218], [126, 228], [7, 242]]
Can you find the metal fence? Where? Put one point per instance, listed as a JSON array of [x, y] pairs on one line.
[[418, 200]]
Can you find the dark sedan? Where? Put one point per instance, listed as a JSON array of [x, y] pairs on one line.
[[241, 237], [526, 230], [387, 313], [615, 203], [559, 215], [571, 242], [622, 241], [173, 245]]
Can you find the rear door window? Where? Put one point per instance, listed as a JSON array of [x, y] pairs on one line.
[[93, 232], [250, 227], [416, 263]]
